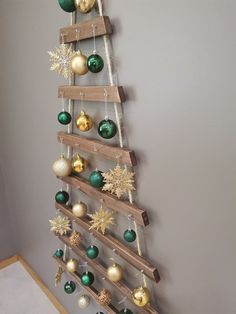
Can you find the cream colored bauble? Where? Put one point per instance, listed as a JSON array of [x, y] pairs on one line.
[[79, 64], [62, 167], [79, 209], [83, 301], [84, 6], [115, 272], [72, 265]]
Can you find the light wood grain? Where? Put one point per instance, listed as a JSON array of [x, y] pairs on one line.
[[8, 261], [123, 207], [114, 153], [84, 30], [91, 290], [118, 247], [115, 94]]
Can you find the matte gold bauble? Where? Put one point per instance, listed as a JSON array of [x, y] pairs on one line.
[[141, 296], [115, 272], [79, 64], [79, 209], [104, 297], [84, 6], [83, 301], [72, 265], [62, 167], [79, 164], [84, 122]]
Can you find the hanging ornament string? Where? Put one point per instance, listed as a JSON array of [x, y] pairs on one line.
[[106, 40], [105, 103], [94, 39]]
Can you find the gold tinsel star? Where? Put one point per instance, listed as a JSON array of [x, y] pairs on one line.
[[102, 219], [75, 238], [61, 60], [60, 225], [58, 275], [118, 181]]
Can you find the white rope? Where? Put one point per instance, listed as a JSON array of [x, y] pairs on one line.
[[106, 40]]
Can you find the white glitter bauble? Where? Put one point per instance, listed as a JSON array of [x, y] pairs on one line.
[[83, 301], [79, 209], [62, 167]]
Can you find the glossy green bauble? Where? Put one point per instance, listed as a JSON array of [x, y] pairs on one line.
[[59, 253], [130, 235], [67, 5], [64, 118], [107, 129], [87, 279], [95, 63], [69, 287], [92, 252], [62, 197], [96, 179], [126, 311]]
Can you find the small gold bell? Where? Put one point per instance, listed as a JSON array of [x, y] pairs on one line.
[[84, 122]]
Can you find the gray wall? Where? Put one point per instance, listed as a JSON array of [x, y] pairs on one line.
[[177, 62]]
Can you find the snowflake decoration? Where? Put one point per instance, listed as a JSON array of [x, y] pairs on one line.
[[60, 225], [58, 275], [75, 238], [118, 181], [61, 59], [102, 219]]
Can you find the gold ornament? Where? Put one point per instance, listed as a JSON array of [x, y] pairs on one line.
[[62, 167], [118, 181], [79, 164], [58, 275], [79, 64], [141, 296], [79, 209], [83, 301], [115, 272], [61, 59], [75, 238], [104, 297], [84, 122], [72, 265], [85, 6], [60, 225], [102, 219]]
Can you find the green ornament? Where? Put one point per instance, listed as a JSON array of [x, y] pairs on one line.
[[126, 311], [130, 235], [59, 253], [96, 179], [62, 197], [87, 278], [92, 252], [95, 63], [67, 5], [107, 129], [69, 287], [64, 118]]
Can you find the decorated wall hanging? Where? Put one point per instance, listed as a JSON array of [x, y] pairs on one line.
[[85, 232]]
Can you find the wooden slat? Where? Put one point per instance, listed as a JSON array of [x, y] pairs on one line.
[[115, 94], [91, 290], [119, 248], [123, 207], [120, 286], [114, 153], [85, 29]]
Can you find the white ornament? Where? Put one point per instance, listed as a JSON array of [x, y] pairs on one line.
[[83, 301], [62, 167], [79, 209]]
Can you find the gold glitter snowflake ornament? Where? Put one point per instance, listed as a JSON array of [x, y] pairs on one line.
[[60, 225], [58, 275], [102, 219], [118, 181], [61, 60]]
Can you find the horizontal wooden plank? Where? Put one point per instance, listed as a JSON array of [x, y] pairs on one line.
[[91, 290], [115, 94], [123, 207], [118, 247], [114, 153], [84, 30], [120, 286]]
